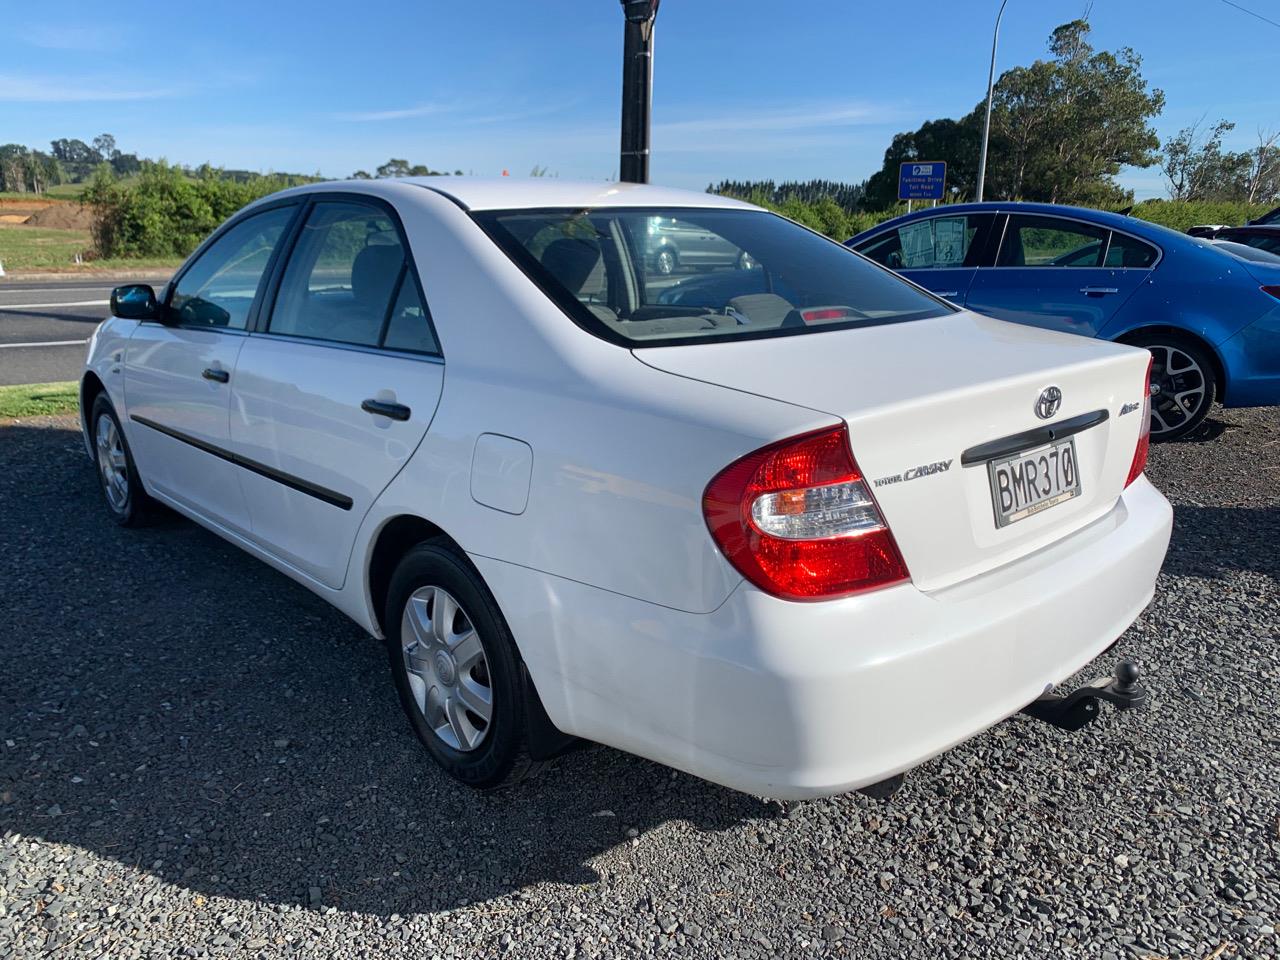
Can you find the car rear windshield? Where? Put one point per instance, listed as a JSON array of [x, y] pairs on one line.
[[652, 277]]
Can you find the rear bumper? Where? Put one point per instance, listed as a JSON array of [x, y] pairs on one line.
[[795, 700], [1251, 359]]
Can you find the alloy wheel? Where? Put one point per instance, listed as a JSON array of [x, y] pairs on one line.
[[1179, 388], [666, 262], [447, 668], [113, 465]]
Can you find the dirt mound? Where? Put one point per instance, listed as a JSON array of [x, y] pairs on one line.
[[62, 216]]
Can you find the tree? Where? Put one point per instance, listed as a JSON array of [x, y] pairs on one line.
[[105, 144], [1196, 167], [394, 168], [1261, 169], [361, 175], [1061, 129], [955, 141]]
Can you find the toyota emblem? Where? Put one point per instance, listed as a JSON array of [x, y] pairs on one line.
[[1049, 402]]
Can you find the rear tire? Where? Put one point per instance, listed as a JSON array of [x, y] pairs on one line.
[[456, 668], [127, 502], [1184, 383]]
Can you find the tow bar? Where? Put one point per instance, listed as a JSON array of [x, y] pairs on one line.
[[1073, 710]]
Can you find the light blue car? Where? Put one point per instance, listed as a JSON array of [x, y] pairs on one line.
[[1210, 319]]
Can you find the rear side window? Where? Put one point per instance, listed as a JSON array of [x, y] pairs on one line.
[[944, 241], [348, 281], [218, 289], [1129, 252], [654, 276], [1031, 241]]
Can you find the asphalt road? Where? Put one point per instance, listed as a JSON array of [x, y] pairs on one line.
[[45, 325], [200, 758]]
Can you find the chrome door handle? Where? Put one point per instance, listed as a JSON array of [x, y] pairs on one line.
[[218, 376], [381, 408], [1098, 291]]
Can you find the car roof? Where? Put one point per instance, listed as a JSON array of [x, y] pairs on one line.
[[516, 193]]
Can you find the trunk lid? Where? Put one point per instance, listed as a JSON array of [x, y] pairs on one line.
[[917, 395]]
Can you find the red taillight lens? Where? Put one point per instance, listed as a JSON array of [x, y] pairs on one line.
[[1144, 435], [797, 519]]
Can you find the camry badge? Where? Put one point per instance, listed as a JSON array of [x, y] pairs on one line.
[[1049, 402]]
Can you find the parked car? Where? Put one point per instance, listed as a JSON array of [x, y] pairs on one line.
[[671, 244], [1210, 231], [1261, 237], [1210, 319], [792, 544]]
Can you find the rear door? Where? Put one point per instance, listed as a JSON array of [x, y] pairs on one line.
[[178, 375], [941, 253], [335, 389], [1061, 273]]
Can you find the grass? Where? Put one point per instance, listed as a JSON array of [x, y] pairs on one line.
[[40, 248], [39, 399]]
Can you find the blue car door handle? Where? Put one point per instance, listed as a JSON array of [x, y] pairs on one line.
[[1098, 291]]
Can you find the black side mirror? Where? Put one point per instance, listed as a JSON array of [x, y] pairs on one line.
[[135, 301]]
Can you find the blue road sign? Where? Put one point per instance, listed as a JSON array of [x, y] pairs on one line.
[[919, 180]]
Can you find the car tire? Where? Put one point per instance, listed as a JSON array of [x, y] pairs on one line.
[[1181, 399], [127, 502], [666, 261], [445, 633]]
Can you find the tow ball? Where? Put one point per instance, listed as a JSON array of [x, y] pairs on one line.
[[1073, 710]]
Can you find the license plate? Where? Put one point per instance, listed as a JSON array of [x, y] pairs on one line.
[[1029, 483]]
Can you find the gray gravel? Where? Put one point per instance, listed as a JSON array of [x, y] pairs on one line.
[[198, 758]]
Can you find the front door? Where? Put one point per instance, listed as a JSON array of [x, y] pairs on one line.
[[1060, 273], [336, 388], [941, 252], [178, 375]]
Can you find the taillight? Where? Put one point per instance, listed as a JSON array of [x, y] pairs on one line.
[[798, 520], [1273, 291], [1144, 433]]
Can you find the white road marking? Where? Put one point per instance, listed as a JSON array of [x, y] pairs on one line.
[[44, 343], [71, 303]]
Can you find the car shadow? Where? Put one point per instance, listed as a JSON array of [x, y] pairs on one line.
[[173, 705], [1211, 542]]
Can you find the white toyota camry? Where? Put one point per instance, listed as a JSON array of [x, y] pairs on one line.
[[777, 518]]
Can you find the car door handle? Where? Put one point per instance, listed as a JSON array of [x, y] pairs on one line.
[[381, 408], [1098, 291], [946, 293], [220, 376]]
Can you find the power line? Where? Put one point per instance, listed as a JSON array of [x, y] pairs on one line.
[[1251, 13]]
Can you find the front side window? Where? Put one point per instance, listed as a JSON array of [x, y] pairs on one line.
[[944, 241], [737, 274], [219, 287], [1031, 241], [348, 281]]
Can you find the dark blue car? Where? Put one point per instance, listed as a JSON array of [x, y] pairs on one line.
[[1210, 319]]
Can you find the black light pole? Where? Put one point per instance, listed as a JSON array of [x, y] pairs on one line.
[[637, 88]]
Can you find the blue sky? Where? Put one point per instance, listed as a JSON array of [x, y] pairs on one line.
[[744, 90]]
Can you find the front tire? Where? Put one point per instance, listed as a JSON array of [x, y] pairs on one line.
[[127, 502], [456, 668], [665, 262], [1183, 384]]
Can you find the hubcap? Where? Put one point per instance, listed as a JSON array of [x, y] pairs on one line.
[[112, 464], [666, 262], [1178, 389], [448, 671]]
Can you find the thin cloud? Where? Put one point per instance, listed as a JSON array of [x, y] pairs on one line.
[[68, 37], [798, 118], [404, 113], [20, 89]]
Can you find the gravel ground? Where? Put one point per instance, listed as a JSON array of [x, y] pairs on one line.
[[198, 758]]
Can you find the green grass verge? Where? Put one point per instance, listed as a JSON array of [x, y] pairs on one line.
[[40, 248], [39, 399]]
